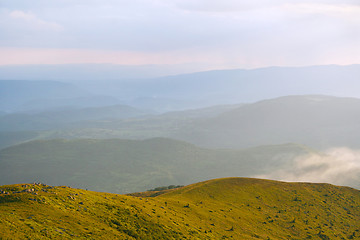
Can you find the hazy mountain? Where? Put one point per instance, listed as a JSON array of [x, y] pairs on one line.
[[8, 139], [185, 91], [85, 72], [202, 89], [79, 123], [37, 105], [128, 166], [65, 118], [89, 122], [318, 121], [200, 112], [15, 93], [314, 120], [230, 208]]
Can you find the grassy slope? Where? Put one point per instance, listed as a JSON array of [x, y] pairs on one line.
[[263, 208], [231, 208], [67, 213], [124, 166]]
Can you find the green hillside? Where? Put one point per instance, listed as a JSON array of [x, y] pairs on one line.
[[123, 166], [229, 208]]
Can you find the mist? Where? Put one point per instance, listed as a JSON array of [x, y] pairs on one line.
[[339, 166]]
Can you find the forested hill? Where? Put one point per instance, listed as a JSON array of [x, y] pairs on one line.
[[123, 166]]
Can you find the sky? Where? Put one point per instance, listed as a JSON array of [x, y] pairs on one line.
[[208, 34]]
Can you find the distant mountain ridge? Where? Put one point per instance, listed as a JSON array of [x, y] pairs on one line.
[[314, 120], [204, 89], [318, 121], [15, 93], [66, 117]]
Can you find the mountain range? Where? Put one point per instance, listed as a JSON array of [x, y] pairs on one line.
[[66, 117], [184, 91], [318, 121]]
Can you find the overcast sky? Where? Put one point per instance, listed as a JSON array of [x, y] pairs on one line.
[[207, 33]]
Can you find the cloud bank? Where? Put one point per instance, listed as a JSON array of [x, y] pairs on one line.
[[340, 166]]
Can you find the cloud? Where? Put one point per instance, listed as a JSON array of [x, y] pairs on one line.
[[339, 166], [347, 12], [232, 33], [241, 6], [33, 22]]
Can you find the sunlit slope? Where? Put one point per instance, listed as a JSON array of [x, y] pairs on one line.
[[230, 208], [66, 213], [124, 166], [269, 209]]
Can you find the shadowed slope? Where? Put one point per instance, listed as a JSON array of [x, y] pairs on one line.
[[124, 166]]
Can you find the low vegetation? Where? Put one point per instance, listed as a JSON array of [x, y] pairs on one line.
[[230, 208]]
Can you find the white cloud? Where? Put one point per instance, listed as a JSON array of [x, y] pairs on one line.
[[339, 166]]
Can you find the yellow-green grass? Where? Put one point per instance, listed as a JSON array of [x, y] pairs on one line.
[[229, 208]]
